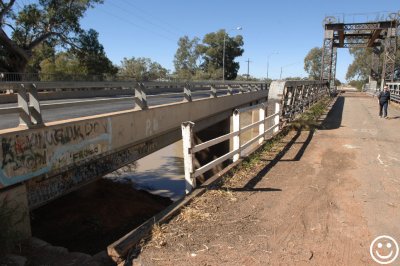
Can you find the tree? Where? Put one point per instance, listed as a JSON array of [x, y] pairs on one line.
[[53, 21], [43, 51], [312, 63], [211, 51], [142, 69], [186, 57], [360, 68], [91, 55], [62, 66]]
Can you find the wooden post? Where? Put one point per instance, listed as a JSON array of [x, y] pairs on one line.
[[187, 140], [236, 139], [276, 119], [261, 127]]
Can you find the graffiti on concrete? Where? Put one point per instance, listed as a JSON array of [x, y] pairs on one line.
[[42, 190], [41, 151]]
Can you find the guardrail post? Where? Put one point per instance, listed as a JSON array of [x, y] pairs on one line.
[[34, 105], [213, 91], [188, 156], [230, 90], [140, 97], [236, 139], [276, 119], [261, 127], [23, 104], [240, 88], [187, 93]]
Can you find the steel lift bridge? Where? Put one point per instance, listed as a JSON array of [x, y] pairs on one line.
[[380, 36]]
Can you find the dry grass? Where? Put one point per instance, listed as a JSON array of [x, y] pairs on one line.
[[223, 193], [191, 214], [158, 236]]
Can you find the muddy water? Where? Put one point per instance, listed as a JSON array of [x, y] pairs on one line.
[[160, 173]]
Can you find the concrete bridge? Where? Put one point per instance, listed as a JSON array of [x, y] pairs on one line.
[[42, 160]]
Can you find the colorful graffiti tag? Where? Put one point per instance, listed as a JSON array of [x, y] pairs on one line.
[[42, 151]]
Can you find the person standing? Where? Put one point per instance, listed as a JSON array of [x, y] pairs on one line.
[[383, 100]]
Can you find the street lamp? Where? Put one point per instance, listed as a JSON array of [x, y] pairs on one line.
[[223, 53], [275, 52]]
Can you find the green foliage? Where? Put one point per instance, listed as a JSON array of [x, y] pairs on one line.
[[211, 51], [91, 55], [245, 78], [312, 63], [360, 69], [357, 84], [52, 21], [185, 60], [142, 69], [43, 51], [61, 67]]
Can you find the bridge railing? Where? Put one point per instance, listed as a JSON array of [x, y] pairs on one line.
[[293, 96], [238, 150], [31, 97], [297, 96], [394, 88]]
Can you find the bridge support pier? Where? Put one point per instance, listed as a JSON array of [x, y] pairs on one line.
[[14, 213]]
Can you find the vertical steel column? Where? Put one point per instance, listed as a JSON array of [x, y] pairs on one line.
[[333, 68], [390, 55], [375, 64], [327, 51]]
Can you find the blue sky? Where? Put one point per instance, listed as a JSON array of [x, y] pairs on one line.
[[152, 28]]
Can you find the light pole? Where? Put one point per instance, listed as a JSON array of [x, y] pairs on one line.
[[268, 60], [223, 53], [280, 76]]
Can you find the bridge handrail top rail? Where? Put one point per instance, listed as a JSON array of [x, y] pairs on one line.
[[119, 84], [289, 83]]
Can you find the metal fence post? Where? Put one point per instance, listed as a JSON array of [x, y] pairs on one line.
[[236, 139], [34, 105], [23, 104], [187, 93], [276, 119], [140, 97], [187, 141], [213, 91], [261, 127]]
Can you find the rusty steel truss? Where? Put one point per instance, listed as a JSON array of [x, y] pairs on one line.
[[377, 35]]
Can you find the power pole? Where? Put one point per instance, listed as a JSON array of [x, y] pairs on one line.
[[248, 67]]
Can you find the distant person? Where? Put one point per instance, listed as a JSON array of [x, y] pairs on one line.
[[383, 100]]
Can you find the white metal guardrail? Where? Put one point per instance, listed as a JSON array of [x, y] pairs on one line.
[[238, 149], [30, 107]]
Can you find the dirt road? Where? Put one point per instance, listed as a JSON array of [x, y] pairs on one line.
[[319, 198]]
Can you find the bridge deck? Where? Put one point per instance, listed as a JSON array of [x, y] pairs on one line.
[[322, 199]]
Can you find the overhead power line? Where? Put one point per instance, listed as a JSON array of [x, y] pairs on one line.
[[137, 25]]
